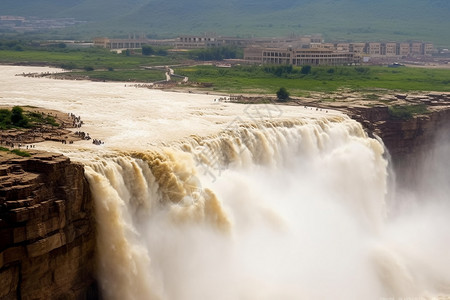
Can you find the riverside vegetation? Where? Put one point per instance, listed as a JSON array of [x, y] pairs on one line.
[[268, 79], [17, 118]]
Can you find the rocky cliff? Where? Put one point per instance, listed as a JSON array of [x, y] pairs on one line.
[[408, 141], [47, 237]]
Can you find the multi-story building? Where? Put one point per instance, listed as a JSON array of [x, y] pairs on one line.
[[329, 46], [208, 41], [342, 47], [389, 49], [130, 43], [357, 48], [253, 55], [297, 56], [403, 49], [192, 42], [374, 49], [428, 49], [321, 57], [275, 56], [417, 48]]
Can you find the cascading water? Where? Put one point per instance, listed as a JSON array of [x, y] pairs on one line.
[[291, 211], [269, 208]]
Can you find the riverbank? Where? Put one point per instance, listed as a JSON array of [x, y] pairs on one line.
[[26, 138]]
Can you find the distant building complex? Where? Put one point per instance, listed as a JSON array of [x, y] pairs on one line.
[[198, 42], [22, 24], [132, 42], [334, 53], [295, 50]]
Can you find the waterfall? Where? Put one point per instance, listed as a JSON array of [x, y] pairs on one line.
[[304, 208], [292, 210]]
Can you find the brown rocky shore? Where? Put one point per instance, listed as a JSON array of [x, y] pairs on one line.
[[47, 225]]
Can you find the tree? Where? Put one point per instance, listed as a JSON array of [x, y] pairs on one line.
[[5, 119], [17, 117], [161, 52], [147, 50], [282, 94], [215, 53], [306, 70]]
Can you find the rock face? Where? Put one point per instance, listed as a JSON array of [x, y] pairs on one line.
[[47, 237], [408, 141]]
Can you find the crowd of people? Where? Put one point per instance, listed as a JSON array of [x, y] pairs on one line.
[[76, 121], [97, 142], [12, 145]]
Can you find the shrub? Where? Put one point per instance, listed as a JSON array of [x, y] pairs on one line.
[[216, 53], [279, 71], [20, 153], [306, 70], [162, 52], [147, 50], [17, 117], [406, 112], [68, 66], [362, 70], [5, 119], [282, 94]]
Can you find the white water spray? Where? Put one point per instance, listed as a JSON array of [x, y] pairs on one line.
[[293, 212]]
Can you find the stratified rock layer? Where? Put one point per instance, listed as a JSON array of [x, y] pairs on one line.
[[47, 237], [408, 141]]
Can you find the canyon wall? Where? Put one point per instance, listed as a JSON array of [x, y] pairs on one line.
[[47, 236], [408, 141]]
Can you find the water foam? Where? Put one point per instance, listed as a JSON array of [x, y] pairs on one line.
[[292, 211]]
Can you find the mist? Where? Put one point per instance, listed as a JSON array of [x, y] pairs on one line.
[[302, 215]]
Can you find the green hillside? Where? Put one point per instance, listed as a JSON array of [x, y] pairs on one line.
[[335, 19]]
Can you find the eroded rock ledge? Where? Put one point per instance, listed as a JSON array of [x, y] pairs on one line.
[[408, 141], [47, 237]]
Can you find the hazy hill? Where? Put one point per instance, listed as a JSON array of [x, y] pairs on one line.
[[335, 19]]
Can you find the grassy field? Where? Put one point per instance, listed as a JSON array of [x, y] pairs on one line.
[[79, 59], [252, 79]]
